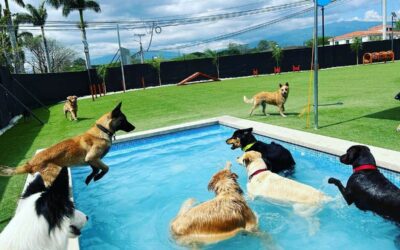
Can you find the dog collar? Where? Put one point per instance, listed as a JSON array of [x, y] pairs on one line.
[[108, 132], [364, 167], [248, 146], [257, 172]]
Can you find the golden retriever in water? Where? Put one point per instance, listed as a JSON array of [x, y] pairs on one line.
[[277, 98], [217, 219], [305, 199]]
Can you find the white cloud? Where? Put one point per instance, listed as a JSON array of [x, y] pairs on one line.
[[372, 15], [104, 42]]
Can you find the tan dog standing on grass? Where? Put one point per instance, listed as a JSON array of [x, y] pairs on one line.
[[87, 148], [217, 219], [277, 98], [71, 106]]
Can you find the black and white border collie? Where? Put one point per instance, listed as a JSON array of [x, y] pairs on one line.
[[45, 217]]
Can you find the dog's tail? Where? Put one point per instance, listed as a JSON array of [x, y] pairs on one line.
[[9, 171], [250, 101]]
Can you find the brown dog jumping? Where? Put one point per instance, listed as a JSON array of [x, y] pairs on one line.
[[87, 148], [277, 98]]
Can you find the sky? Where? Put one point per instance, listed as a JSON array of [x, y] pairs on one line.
[[104, 42]]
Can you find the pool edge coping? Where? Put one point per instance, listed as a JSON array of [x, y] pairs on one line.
[[330, 145]]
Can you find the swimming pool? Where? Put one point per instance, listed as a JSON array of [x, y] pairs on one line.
[[132, 206]]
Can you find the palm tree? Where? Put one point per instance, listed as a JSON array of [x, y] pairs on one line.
[[277, 53], [79, 5], [7, 15], [37, 17], [356, 46], [215, 59]]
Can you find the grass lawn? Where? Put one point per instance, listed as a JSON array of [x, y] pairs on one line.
[[369, 113]]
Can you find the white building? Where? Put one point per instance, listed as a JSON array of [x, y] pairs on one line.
[[372, 34]]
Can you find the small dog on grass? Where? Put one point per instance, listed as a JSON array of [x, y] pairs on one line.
[[87, 148], [217, 219], [45, 217], [277, 98], [71, 106], [368, 188]]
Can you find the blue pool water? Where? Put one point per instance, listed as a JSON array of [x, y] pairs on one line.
[[132, 206]]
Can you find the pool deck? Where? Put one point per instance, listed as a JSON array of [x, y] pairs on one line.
[[385, 158]]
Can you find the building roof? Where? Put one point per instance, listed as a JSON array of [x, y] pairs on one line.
[[373, 31]]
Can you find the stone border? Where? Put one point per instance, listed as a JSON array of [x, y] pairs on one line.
[[385, 158]]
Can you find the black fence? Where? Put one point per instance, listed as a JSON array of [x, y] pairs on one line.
[[52, 88]]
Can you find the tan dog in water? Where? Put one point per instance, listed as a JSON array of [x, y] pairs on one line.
[[87, 148], [306, 200], [277, 98], [71, 106], [217, 219]]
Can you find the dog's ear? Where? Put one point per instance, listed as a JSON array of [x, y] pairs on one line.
[[234, 176], [54, 203], [247, 130], [36, 186], [280, 85], [117, 110], [287, 84]]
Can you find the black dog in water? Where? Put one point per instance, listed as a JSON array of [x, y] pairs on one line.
[[367, 188], [275, 156]]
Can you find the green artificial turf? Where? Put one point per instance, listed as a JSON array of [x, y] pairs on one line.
[[369, 114]]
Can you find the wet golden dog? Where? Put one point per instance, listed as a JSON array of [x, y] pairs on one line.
[[71, 106], [263, 182], [277, 98], [306, 200], [217, 219], [87, 148]]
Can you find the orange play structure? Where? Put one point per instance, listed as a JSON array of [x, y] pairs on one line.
[[197, 74], [382, 56]]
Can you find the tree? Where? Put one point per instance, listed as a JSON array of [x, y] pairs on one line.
[[61, 57], [78, 64], [215, 59], [356, 45], [37, 17], [263, 45], [156, 63], [80, 6], [277, 52], [325, 41], [397, 25], [13, 40]]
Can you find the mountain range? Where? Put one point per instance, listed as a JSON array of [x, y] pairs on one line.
[[295, 37]]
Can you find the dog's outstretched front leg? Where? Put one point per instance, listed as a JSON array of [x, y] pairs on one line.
[[93, 159], [94, 172], [281, 109], [342, 190]]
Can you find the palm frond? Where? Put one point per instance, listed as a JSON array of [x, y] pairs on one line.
[[92, 5], [20, 3], [22, 18]]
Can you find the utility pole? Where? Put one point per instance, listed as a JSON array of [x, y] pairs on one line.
[[141, 48], [315, 64], [122, 63], [393, 16], [383, 19]]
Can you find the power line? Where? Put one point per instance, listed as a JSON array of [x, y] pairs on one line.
[[136, 24]]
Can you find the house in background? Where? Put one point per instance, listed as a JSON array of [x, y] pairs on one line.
[[372, 34]]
